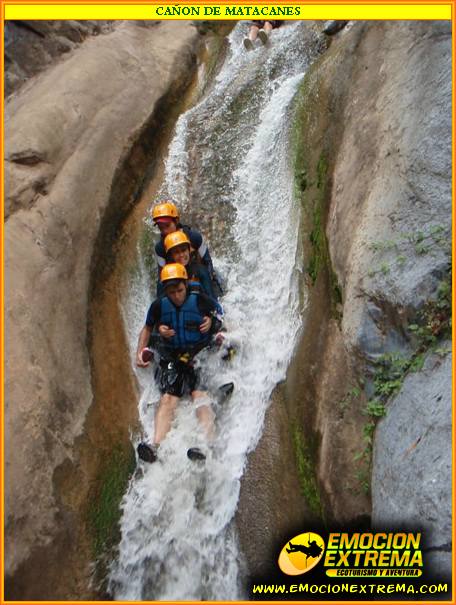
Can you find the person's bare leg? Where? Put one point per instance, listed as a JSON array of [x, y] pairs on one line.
[[267, 27], [164, 417], [204, 413], [253, 33], [249, 41]]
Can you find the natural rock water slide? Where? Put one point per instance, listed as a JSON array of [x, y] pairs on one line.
[[321, 178], [230, 162]]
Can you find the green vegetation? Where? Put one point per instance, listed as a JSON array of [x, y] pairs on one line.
[[423, 243], [363, 477], [434, 320], [375, 408], [311, 184], [306, 471], [319, 257], [320, 252], [433, 324], [390, 371], [104, 508], [352, 394], [318, 240]]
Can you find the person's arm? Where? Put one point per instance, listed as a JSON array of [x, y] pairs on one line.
[[153, 316], [143, 339], [200, 246], [208, 309]]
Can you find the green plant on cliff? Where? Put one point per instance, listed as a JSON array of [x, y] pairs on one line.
[[433, 324], [306, 471], [317, 239], [431, 241], [390, 370], [375, 408], [320, 253], [320, 257], [104, 506], [434, 320], [350, 396], [312, 189]]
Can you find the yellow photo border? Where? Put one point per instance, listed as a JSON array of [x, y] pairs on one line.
[[156, 11], [317, 10]]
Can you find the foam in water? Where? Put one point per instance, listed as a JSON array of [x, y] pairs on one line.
[[178, 538]]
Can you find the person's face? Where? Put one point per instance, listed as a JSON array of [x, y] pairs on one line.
[[181, 254], [176, 293], [167, 227]]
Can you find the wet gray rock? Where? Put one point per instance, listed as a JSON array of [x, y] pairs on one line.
[[393, 197], [411, 481]]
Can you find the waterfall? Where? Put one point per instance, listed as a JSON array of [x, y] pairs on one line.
[[229, 168]]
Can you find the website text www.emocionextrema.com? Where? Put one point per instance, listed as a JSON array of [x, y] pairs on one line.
[[349, 588]]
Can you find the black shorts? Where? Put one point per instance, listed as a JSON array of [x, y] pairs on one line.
[[178, 379]]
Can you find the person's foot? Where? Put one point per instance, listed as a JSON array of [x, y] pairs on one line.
[[147, 355], [225, 391], [248, 44], [146, 452], [263, 36], [195, 454]]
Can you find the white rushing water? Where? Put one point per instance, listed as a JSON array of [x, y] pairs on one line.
[[178, 537]]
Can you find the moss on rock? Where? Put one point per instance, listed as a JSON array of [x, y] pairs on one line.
[[313, 188], [103, 512], [306, 471]]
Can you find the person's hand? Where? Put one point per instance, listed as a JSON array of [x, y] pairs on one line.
[[219, 338], [139, 360], [166, 331], [206, 325]]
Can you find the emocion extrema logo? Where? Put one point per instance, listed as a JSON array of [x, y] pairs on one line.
[[301, 553]]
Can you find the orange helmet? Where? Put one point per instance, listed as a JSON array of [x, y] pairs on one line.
[[173, 271], [175, 239], [165, 210]]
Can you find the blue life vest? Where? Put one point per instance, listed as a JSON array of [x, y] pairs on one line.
[[185, 321]]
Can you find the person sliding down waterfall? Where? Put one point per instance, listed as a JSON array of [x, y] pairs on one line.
[[261, 30], [178, 250], [166, 217], [186, 322]]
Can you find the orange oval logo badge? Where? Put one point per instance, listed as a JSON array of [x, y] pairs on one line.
[[301, 553]]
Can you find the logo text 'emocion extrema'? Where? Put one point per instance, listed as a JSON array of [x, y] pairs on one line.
[[301, 553]]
